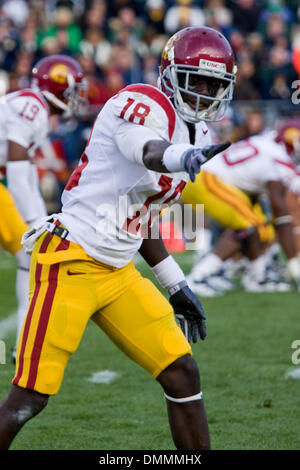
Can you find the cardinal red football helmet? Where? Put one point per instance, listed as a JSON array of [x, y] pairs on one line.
[[60, 79], [192, 54], [289, 135]]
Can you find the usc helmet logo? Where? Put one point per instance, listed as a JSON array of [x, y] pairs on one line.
[[291, 134], [168, 47], [59, 73]]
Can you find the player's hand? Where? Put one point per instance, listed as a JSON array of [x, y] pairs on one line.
[[190, 314], [194, 158]]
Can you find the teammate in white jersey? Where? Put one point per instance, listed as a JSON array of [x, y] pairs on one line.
[[227, 187], [24, 125], [143, 148], [288, 135], [252, 163]]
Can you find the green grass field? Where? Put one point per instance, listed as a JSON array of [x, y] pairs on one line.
[[243, 362]]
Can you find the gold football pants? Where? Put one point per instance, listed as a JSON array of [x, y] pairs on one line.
[[67, 288], [12, 226], [228, 205]]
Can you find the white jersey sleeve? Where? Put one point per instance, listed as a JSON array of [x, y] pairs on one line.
[[146, 106], [27, 118], [285, 167], [145, 113], [131, 138]]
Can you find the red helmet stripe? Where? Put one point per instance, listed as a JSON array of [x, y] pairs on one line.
[[159, 98]]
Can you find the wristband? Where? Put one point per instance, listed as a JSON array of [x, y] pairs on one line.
[[172, 290], [22, 183], [173, 157], [168, 273], [283, 220]]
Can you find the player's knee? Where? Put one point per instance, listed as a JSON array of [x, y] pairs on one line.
[[25, 404], [182, 376], [31, 407], [185, 366]]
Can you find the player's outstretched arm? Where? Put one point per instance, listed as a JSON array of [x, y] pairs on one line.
[[22, 182], [162, 157], [153, 155], [153, 250]]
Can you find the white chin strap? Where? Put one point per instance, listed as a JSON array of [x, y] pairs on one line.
[[198, 396], [54, 100], [67, 111]]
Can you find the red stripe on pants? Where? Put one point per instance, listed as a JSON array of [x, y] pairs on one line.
[[44, 319], [38, 271]]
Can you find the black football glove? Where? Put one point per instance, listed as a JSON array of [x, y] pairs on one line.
[[194, 158], [190, 314]]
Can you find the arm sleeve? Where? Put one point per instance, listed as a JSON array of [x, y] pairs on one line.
[[19, 131], [22, 182], [131, 138], [277, 163]]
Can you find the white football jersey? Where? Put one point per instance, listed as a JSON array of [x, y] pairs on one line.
[[24, 119], [250, 163], [108, 200]]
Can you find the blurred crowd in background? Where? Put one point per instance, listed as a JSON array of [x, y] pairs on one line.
[[119, 42]]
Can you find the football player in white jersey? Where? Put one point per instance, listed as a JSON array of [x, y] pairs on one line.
[[57, 82], [145, 144], [227, 186], [288, 135]]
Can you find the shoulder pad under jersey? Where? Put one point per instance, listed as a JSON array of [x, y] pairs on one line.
[[17, 100], [30, 110], [148, 106]]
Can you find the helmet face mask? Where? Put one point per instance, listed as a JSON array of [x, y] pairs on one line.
[[76, 97], [60, 79], [181, 76], [193, 106]]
